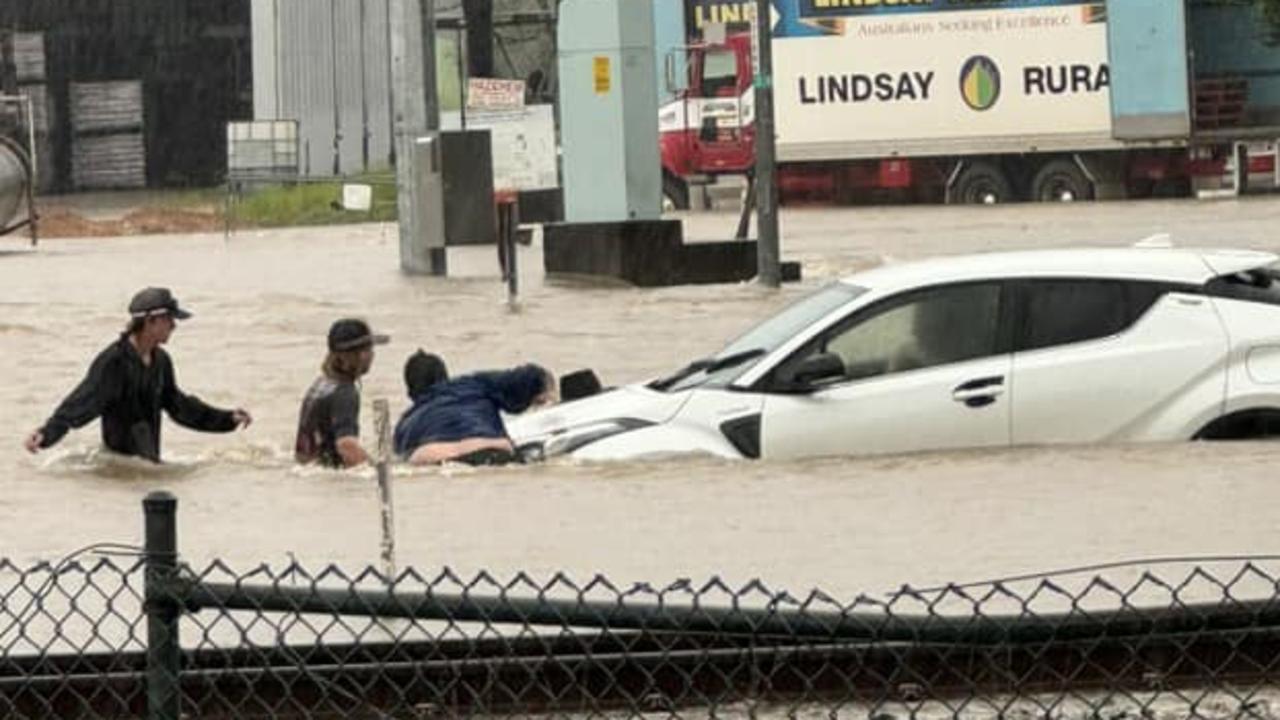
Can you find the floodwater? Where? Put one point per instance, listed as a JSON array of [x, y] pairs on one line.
[[263, 302]]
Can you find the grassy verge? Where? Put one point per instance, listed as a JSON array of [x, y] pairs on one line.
[[313, 204]]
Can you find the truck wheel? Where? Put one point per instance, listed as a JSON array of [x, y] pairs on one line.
[[676, 191], [982, 184], [1061, 181]]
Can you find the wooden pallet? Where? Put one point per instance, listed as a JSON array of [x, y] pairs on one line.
[[1220, 102]]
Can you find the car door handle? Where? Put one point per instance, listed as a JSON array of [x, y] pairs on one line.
[[980, 392]]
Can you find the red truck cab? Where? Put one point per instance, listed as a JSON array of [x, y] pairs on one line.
[[708, 128]]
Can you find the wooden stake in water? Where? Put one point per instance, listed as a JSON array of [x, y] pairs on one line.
[[382, 425]]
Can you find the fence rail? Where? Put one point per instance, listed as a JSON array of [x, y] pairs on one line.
[[157, 638]]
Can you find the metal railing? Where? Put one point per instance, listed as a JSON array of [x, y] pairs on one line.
[[156, 638]]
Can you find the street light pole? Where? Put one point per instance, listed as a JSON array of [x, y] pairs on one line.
[[767, 252]]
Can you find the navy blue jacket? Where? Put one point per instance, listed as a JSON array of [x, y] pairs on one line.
[[468, 407]]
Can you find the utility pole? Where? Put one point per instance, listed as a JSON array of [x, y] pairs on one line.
[[479, 17], [427, 25], [417, 122], [767, 254]]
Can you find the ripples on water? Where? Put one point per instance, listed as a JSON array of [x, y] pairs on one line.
[[264, 301]]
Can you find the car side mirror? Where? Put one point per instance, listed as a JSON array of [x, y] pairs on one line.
[[813, 371]]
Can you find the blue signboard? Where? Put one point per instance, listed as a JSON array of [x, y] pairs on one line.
[[1147, 43]]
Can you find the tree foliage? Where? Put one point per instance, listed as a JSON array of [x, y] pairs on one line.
[[1271, 15]]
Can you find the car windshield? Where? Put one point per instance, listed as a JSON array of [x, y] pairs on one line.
[[740, 355]]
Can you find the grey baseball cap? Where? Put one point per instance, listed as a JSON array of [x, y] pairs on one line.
[[156, 301]]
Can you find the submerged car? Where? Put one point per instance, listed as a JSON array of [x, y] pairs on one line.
[[1037, 347]]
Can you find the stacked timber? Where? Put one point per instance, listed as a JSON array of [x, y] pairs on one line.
[[107, 146]]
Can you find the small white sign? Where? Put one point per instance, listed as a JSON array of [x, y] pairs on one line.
[[494, 94], [358, 198], [714, 33]]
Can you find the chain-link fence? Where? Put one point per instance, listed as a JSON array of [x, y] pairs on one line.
[[155, 638]]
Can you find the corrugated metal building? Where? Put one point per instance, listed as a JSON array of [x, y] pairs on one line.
[[326, 65], [192, 58]]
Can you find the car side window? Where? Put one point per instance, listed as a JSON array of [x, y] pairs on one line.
[[1060, 312], [933, 327], [1260, 285]]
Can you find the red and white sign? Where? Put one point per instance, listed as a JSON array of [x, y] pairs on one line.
[[494, 94]]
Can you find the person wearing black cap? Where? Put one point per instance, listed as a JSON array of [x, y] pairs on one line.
[[329, 422], [130, 382]]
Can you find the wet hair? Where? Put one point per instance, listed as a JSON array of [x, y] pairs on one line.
[[345, 365], [423, 370], [137, 322]]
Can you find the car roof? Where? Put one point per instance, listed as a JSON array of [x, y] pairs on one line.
[[1178, 265]]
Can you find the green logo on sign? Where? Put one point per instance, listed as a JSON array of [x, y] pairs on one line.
[[980, 82]]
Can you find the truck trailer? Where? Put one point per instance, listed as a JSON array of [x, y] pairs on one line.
[[980, 101]]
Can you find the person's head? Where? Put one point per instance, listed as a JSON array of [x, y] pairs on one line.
[[550, 394], [153, 314], [422, 370], [351, 344]]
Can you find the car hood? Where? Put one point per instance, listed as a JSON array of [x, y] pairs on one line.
[[636, 402]]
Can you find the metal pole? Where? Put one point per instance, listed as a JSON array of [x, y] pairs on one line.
[[437, 259], [767, 253], [31, 140], [382, 425], [333, 71], [508, 227], [365, 132], [391, 90], [164, 653], [430, 87]]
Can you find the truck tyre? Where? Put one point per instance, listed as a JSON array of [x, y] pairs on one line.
[[1061, 181], [676, 191], [982, 183]]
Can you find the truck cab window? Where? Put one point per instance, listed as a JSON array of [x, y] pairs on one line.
[[719, 73]]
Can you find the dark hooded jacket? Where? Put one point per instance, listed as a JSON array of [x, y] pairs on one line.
[[468, 407], [129, 395]]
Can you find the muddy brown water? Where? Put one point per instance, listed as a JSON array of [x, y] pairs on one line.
[[263, 301]]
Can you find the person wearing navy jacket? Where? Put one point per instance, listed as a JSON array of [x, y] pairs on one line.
[[460, 419]]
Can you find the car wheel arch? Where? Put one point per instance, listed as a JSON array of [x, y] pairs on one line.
[[1245, 424]]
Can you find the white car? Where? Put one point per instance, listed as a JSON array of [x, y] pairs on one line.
[[1063, 346]]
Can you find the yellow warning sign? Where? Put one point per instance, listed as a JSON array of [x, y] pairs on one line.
[[601, 75]]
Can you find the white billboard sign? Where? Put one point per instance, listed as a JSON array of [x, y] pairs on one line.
[[921, 79]]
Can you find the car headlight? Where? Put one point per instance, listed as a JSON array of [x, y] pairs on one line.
[[575, 438]]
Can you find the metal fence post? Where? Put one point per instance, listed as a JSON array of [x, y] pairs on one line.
[[163, 651], [382, 424], [508, 231]]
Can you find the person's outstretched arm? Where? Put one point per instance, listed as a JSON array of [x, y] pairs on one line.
[[190, 411], [517, 389], [100, 386]]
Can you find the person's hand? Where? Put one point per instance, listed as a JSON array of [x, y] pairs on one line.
[[33, 441], [242, 418]]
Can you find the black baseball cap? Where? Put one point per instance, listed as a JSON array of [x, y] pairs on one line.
[[353, 334], [156, 301]]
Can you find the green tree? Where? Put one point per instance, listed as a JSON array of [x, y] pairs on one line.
[[1271, 15]]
